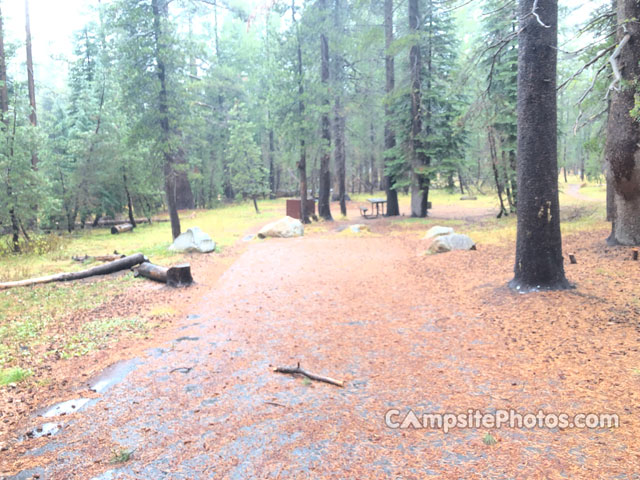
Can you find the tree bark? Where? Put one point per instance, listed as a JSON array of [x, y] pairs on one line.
[[622, 150], [123, 227], [302, 163], [177, 276], [324, 190], [339, 154], [539, 261], [419, 160], [339, 117], [393, 209]]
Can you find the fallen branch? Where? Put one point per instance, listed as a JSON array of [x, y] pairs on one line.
[[123, 227], [97, 258], [178, 276], [107, 268], [311, 376]]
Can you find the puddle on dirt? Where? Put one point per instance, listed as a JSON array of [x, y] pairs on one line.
[[156, 352], [65, 408], [45, 430], [187, 339], [191, 325], [113, 374], [37, 472], [108, 475]]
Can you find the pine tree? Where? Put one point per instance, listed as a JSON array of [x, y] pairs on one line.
[[249, 176]]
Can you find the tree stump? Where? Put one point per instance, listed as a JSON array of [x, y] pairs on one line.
[[176, 276]]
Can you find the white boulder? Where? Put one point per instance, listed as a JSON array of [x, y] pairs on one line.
[[193, 240], [453, 241], [438, 231], [286, 227]]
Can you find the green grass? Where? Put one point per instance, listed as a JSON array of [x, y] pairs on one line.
[[226, 225], [121, 455], [100, 333], [26, 314], [13, 375], [30, 316]]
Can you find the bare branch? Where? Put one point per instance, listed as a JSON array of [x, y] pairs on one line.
[[589, 120], [600, 54], [614, 65], [533, 12]]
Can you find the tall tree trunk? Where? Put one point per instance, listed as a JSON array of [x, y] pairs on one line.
[[302, 163], [460, 182], [324, 190], [393, 208], [160, 13], [339, 118], [15, 224], [339, 154], [622, 150], [419, 160], [33, 117], [496, 176], [4, 92], [272, 167], [507, 186], [539, 262], [132, 218], [373, 174]]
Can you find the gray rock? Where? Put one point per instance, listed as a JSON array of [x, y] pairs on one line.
[[468, 197], [286, 227], [358, 228], [453, 241], [193, 240], [438, 231]]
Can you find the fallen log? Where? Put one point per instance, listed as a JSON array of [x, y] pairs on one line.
[[311, 376], [107, 268], [123, 227], [176, 276], [97, 258]]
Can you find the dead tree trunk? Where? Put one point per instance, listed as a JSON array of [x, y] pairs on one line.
[[125, 227], [107, 268], [177, 276]]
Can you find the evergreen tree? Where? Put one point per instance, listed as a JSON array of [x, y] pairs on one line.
[[249, 176]]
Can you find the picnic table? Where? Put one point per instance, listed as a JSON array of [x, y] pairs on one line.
[[377, 202]]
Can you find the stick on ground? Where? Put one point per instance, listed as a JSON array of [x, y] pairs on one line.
[[310, 376]]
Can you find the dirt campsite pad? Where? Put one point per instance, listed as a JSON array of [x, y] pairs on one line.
[[406, 332]]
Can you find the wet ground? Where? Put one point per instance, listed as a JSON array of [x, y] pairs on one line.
[[432, 334]]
